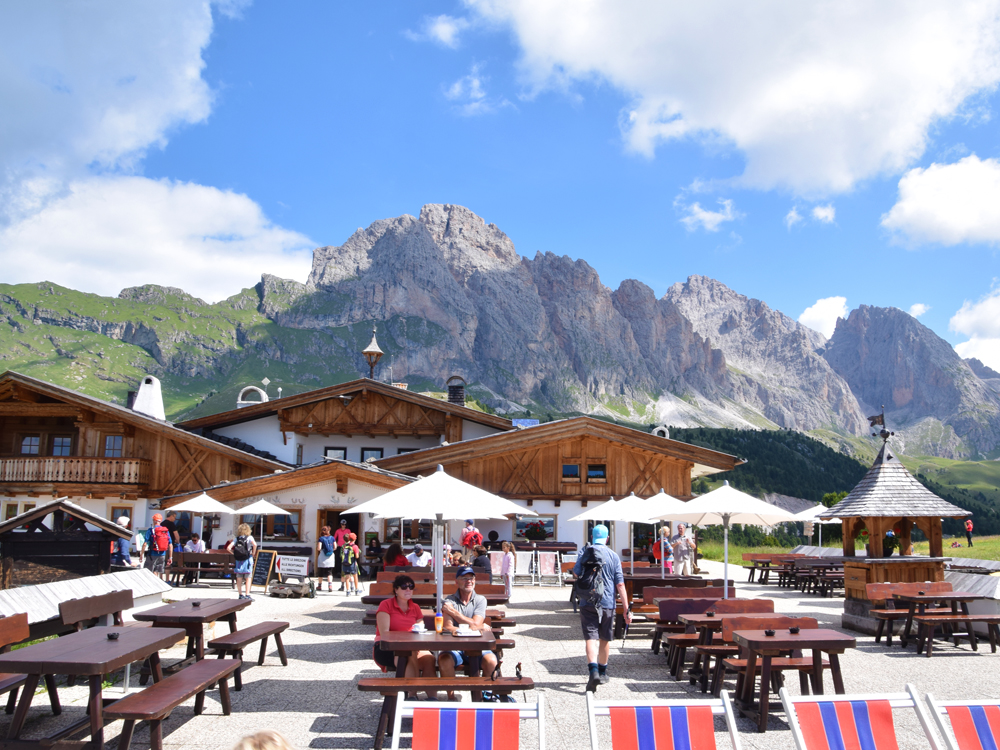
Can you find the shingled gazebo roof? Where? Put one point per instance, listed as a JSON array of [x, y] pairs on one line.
[[889, 490]]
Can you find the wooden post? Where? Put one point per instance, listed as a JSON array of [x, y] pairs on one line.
[[875, 534], [848, 540], [905, 540], [937, 543]]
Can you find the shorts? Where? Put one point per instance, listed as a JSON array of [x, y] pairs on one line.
[[322, 572], [385, 659], [349, 569], [460, 659], [597, 626], [155, 563], [243, 567]]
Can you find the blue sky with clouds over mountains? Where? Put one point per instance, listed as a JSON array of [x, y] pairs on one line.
[[817, 156]]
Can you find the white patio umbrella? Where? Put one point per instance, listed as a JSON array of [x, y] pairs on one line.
[[727, 505], [202, 504], [440, 498], [662, 506], [261, 508], [811, 515]]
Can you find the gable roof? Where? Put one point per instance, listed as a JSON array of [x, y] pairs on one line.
[[9, 381], [269, 408], [705, 461], [889, 490], [297, 477], [71, 509]]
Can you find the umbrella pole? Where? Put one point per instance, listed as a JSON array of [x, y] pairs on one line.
[[663, 553], [438, 552], [725, 557], [631, 550], [820, 534]]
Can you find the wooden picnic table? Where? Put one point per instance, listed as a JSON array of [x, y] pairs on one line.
[[406, 642], [90, 653], [917, 604], [761, 646], [194, 618]]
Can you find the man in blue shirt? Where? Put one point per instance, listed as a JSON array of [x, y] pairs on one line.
[[598, 621]]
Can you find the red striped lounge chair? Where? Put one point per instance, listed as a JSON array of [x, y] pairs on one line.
[[477, 726], [662, 725], [851, 722], [975, 725]]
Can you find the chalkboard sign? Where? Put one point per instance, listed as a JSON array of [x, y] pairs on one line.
[[262, 567]]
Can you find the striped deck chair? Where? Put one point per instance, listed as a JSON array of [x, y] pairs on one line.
[[975, 725], [481, 726], [548, 568], [496, 565], [851, 722], [524, 567], [662, 725]]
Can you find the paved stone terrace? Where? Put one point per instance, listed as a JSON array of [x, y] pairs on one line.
[[315, 704]]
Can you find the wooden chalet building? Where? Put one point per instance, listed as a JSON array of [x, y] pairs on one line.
[[106, 458], [558, 467]]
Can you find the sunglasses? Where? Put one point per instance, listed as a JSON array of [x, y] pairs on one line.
[[407, 587]]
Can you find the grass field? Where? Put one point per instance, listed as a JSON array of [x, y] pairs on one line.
[[986, 548]]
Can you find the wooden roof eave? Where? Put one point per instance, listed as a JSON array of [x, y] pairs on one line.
[[255, 411], [576, 427], [70, 509], [142, 421], [283, 480]]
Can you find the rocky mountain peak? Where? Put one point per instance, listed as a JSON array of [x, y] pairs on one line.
[[983, 371]]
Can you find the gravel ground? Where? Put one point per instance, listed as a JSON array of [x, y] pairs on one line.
[[315, 704]]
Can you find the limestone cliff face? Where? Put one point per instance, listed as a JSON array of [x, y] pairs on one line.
[[773, 358], [935, 399]]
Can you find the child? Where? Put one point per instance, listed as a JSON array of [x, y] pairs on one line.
[[265, 740], [244, 550], [507, 566], [349, 565]]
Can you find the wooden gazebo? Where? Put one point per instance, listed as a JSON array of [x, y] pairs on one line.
[[75, 543], [889, 498]]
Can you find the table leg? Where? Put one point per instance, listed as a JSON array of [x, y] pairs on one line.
[[765, 693], [96, 708], [232, 622], [909, 622], [838, 679], [155, 668], [817, 672], [970, 628], [749, 678], [21, 713], [199, 646]]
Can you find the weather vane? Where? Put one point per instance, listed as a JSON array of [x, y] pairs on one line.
[[879, 419]]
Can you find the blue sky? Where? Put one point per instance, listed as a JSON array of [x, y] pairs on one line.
[[796, 152]]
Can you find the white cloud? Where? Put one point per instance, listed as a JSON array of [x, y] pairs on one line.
[[825, 214], [792, 218], [823, 315], [111, 232], [468, 94], [919, 308], [980, 321], [88, 89], [948, 203], [697, 217], [443, 29], [817, 96]]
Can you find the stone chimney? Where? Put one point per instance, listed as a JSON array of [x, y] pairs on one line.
[[456, 390], [149, 399]]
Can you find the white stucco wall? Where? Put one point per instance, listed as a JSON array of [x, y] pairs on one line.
[[264, 435], [475, 429]]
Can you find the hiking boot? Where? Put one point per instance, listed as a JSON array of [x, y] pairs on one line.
[[593, 682], [604, 679]]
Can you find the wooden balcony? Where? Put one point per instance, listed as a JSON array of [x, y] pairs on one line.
[[75, 470]]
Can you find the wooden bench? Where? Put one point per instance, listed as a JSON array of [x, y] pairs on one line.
[[927, 624], [418, 577], [670, 610], [497, 616], [801, 664], [15, 629], [426, 593], [88, 612], [204, 562], [392, 685], [235, 643], [883, 592], [155, 703]]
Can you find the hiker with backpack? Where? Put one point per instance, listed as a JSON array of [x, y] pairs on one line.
[[340, 537], [471, 538], [326, 559], [156, 554], [599, 578], [244, 552], [349, 554]]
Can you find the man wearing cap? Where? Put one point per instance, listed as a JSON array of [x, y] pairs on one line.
[[340, 537], [465, 607], [157, 561], [418, 558], [598, 622], [683, 551]]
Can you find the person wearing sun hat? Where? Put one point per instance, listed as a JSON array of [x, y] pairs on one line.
[[598, 621], [465, 607]]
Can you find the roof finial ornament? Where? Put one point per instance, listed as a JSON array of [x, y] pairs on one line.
[[879, 419], [373, 354]]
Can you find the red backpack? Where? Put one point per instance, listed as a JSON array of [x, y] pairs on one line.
[[159, 538]]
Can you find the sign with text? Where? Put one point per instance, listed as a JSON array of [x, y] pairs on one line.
[[292, 566]]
